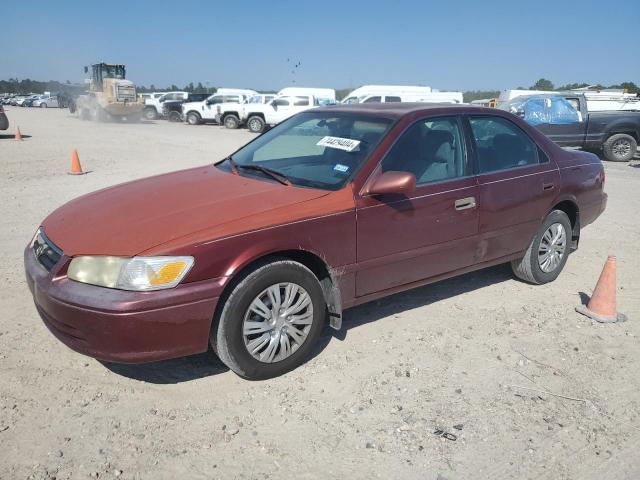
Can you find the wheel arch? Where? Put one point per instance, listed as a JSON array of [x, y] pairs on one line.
[[324, 273], [256, 114], [570, 207], [622, 128]]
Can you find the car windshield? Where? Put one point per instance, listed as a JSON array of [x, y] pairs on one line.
[[313, 149]]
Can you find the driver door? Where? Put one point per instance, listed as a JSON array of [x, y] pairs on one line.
[[431, 231]]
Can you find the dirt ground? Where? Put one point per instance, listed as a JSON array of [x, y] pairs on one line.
[[480, 356]]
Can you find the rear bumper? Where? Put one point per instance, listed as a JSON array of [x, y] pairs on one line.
[[120, 326]]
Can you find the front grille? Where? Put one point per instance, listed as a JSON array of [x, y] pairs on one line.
[[46, 252], [125, 92]]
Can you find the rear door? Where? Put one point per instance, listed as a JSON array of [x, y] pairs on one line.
[[517, 185], [432, 231]]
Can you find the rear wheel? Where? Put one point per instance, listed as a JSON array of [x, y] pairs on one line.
[[547, 254], [271, 320], [620, 147], [255, 124], [150, 113], [231, 121], [175, 117], [193, 118]]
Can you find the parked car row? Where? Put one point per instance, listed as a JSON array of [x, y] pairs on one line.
[[235, 108], [32, 100]]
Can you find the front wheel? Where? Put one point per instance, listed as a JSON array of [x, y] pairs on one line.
[[620, 147], [150, 113], [255, 124], [193, 118], [271, 321], [547, 254]]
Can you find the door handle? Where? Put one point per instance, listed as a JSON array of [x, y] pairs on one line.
[[548, 186], [465, 203]]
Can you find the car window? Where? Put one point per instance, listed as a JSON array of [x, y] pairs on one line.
[[575, 103], [392, 99], [281, 102], [431, 149], [300, 101], [501, 145], [373, 100], [316, 149]]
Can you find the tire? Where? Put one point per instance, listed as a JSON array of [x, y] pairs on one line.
[[255, 124], [227, 335], [529, 267], [620, 147], [193, 118], [150, 113], [175, 117], [231, 122], [43, 105]]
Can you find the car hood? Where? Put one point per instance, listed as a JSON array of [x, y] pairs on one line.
[[128, 219]]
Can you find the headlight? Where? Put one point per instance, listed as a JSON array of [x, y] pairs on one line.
[[137, 273]]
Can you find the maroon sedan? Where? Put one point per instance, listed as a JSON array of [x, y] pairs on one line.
[[334, 207]]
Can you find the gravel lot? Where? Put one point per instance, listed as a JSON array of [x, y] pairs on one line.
[[454, 356]]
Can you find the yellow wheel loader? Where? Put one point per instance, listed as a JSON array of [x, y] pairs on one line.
[[110, 96]]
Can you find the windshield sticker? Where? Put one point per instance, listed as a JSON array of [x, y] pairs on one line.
[[341, 168], [346, 144]]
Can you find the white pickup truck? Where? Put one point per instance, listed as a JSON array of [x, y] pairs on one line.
[[196, 113], [259, 116], [153, 104], [230, 114]]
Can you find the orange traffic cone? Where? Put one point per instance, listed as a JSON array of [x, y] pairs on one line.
[[602, 304], [18, 134], [76, 169]]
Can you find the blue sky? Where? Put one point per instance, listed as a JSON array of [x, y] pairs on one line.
[[455, 45]]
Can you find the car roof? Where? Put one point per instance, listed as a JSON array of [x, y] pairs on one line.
[[400, 109]]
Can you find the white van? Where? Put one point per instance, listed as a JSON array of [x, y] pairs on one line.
[[368, 91], [324, 96], [235, 91], [433, 97]]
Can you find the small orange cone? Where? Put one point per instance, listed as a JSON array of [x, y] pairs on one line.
[[76, 169], [602, 304], [18, 134]]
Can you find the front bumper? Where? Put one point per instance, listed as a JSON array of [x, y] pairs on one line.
[[122, 326]]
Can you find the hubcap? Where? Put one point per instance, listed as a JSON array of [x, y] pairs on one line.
[[621, 148], [277, 322], [552, 248], [255, 125]]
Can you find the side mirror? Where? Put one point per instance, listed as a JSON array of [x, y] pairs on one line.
[[392, 183]]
